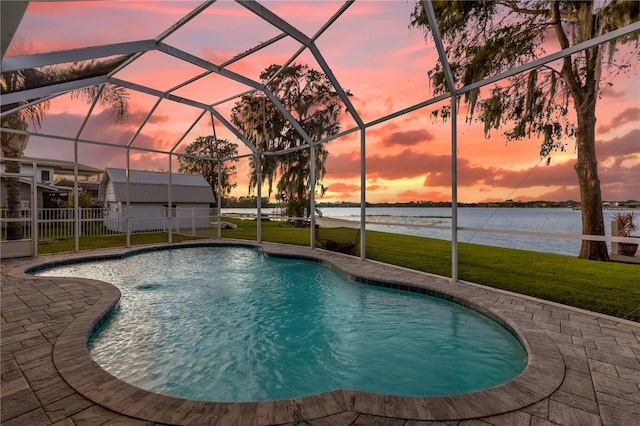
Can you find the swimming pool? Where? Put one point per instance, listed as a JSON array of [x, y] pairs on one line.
[[258, 336]]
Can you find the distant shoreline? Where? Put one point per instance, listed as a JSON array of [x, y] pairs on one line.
[[575, 205], [632, 204]]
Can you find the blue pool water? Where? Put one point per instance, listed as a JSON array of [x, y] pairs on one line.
[[230, 324]]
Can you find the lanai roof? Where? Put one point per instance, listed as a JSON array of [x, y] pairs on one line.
[[231, 81], [207, 81]]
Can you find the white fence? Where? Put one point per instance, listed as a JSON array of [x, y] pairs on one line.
[[23, 222], [54, 224]]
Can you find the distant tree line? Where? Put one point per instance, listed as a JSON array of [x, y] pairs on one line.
[[247, 202], [507, 203]]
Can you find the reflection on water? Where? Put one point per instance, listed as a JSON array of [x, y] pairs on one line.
[[229, 324], [551, 220]]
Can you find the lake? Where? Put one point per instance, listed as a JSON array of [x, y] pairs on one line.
[[408, 221]]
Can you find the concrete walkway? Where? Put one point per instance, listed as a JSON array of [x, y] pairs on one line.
[[584, 368]]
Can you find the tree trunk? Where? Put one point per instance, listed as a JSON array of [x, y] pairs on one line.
[[14, 229], [590, 194], [13, 146]]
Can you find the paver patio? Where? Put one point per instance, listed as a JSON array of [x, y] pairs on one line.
[[584, 367]]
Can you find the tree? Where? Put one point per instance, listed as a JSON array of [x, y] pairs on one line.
[[13, 144], [85, 201], [211, 147], [311, 99], [484, 38]]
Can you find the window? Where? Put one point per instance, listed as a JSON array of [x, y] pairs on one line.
[[45, 175]]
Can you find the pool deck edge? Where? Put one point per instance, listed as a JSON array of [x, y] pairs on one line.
[[583, 367]]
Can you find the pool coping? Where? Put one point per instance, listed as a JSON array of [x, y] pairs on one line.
[[542, 376]]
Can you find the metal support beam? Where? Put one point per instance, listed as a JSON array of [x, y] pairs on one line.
[[219, 200], [363, 195], [34, 209], [180, 54], [11, 13], [259, 193], [275, 20], [289, 29], [454, 188], [336, 85], [148, 116], [54, 89], [76, 201], [605, 38], [312, 195], [169, 194], [185, 101], [14, 63], [331, 20], [219, 163], [253, 50], [128, 196], [87, 141], [233, 130], [28, 104], [442, 54], [288, 116], [173, 148], [76, 205], [188, 17], [195, 60], [157, 93]]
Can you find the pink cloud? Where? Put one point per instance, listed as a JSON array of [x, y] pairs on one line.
[[136, 117], [629, 115], [406, 164], [66, 25], [562, 193], [407, 138], [628, 144]]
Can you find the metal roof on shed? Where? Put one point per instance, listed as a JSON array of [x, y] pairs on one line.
[[153, 187]]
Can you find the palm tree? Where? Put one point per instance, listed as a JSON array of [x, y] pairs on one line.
[[14, 144]]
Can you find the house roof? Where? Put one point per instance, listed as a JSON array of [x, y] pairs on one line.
[[84, 185], [27, 181], [61, 166], [153, 187]]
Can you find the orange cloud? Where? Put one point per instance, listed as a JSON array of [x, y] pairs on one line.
[[342, 191], [412, 195]]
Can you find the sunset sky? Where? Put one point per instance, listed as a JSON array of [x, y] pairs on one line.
[[372, 52]]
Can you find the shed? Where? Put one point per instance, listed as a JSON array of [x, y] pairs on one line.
[[191, 199]]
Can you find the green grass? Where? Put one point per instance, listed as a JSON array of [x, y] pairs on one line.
[[91, 243], [606, 287], [276, 232]]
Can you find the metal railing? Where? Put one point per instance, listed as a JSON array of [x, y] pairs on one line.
[[188, 220], [23, 222], [60, 223]]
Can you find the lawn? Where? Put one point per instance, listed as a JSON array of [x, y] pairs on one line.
[[91, 243], [606, 287]]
